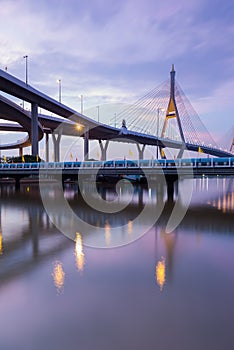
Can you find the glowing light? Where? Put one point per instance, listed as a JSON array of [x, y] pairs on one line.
[[58, 275], [160, 273], [224, 206], [107, 233], [150, 193], [229, 201], [130, 226], [79, 127], [79, 252], [219, 204]]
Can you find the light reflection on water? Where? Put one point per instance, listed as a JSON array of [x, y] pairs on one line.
[[164, 291], [79, 253], [58, 275], [161, 273], [216, 192]]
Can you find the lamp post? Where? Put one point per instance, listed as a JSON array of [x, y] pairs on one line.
[[81, 104], [26, 68], [159, 109], [60, 89]]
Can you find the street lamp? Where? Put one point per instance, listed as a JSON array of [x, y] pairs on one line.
[[159, 109], [98, 113], [81, 104], [79, 127], [26, 68], [60, 89]]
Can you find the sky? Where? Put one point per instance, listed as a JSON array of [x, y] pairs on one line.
[[116, 51]]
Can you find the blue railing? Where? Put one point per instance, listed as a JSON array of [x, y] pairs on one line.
[[163, 163]]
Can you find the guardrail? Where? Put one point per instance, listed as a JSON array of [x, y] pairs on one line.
[[146, 163]]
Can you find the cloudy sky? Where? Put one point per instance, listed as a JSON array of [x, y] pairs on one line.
[[115, 51]]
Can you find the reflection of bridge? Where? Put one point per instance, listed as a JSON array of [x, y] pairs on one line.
[[188, 133], [28, 244], [36, 240]]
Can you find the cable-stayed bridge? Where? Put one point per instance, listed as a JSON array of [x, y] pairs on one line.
[[157, 104], [166, 113], [163, 118], [227, 141]]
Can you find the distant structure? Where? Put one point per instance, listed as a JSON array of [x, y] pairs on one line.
[[232, 145], [124, 124]]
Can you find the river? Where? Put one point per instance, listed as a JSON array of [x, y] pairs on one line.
[[123, 284]]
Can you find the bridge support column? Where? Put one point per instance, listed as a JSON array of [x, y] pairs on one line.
[[141, 151], [17, 183], [159, 190], [103, 149], [170, 180], [181, 151], [140, 197], [34, 128], [47, 147], [20, 151], [86, 144], [56, 142]]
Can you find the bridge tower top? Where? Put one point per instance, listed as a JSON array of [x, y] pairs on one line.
[[172, 111], [172, 91]]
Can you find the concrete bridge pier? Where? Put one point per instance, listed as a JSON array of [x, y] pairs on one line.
[[160, 190], [181, 151], [170, 181], [47, 155], [17, 183], [20, 151], [140, 151], [34, 128], [140, 196], [103, 149], [86, 144], [56, 141]]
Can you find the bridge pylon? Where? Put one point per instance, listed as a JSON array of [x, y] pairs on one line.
[[172, 111]]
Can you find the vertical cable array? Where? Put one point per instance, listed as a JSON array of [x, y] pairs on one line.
[[194, 130], [142, 116]]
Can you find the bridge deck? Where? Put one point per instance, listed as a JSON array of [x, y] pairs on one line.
[[194, 167]]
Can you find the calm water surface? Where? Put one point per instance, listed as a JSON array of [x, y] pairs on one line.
[[163, 291]]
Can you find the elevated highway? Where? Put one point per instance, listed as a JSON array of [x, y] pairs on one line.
[[78, 125]]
